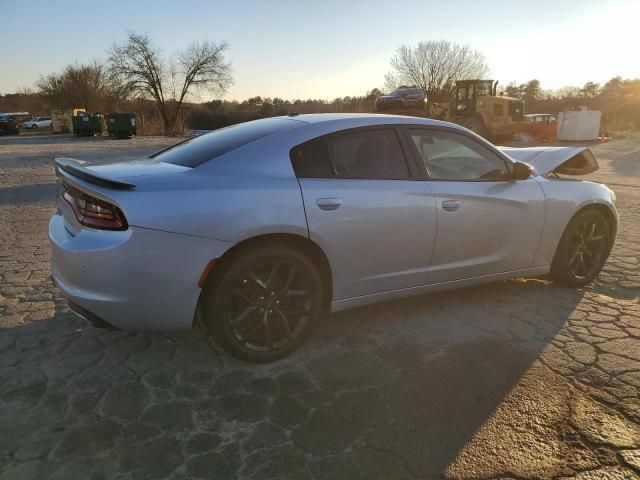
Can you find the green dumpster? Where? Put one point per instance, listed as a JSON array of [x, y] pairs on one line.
[[121, 125], [88, 125]]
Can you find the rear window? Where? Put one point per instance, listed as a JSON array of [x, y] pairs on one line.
[[201, 149]]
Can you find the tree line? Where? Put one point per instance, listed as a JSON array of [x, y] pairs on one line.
[[618, 99], [136, 76]]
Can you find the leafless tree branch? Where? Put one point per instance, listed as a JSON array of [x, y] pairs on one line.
[[140, 67], [434, 66]]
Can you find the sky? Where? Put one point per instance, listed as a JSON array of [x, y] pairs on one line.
[[330, 48]]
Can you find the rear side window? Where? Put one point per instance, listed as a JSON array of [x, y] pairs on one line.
[[201, 149], [369, 154]]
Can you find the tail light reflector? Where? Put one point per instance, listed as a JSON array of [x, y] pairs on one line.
[[93, 212]]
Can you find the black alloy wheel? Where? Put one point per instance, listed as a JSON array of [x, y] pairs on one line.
[[583, 250], [264, 304]]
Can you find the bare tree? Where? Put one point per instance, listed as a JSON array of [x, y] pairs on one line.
[[80, 85], [435, 66], [140, 67]]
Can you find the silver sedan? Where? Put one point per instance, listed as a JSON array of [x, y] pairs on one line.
[[255, 231]]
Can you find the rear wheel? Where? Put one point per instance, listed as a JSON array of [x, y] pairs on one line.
[[583, 249], [264, 303]]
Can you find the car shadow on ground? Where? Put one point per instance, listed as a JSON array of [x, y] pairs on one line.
[[394, 390]]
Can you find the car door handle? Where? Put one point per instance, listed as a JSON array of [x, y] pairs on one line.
[[451, 205], [329, 203]]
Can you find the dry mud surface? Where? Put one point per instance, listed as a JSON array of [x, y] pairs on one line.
[[517, 379]]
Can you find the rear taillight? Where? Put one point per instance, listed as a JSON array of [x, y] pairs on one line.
[[93, 212]]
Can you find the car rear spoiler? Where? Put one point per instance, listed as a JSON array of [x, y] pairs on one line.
[[75, 167]]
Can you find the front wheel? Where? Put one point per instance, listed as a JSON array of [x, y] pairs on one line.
[[264, 303], [583, 249]]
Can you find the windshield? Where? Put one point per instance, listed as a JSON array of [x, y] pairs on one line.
[[201, 149]]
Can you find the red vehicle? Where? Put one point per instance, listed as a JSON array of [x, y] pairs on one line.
[[540, 126]]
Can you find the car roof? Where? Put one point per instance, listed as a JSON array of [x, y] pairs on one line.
[[365, 118]]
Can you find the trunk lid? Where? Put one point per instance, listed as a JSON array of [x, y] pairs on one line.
[[114, 183], [120, 175]]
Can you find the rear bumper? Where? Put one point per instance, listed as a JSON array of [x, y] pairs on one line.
[[138, 279], [90, 317]]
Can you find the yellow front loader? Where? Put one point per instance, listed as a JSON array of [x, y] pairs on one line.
[[476, 106]]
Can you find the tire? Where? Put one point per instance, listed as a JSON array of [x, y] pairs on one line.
[[263, 303], [34, 126], [476, 125], [583, 249]]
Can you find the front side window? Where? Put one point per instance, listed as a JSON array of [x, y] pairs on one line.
[[367, 154], [453, 156]]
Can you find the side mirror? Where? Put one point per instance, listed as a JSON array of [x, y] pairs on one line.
[[521, 171]]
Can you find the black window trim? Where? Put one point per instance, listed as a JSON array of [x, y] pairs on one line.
[[409, 157], [435, 128]]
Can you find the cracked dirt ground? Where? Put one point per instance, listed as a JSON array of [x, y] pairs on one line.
[[518, 379]]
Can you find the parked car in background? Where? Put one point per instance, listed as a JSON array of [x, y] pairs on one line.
[[18, 117], [38, 122], [401, 97], [8, 126], [254, 231], [539, 126]]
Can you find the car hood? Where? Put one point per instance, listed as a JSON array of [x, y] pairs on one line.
[[563, 160]]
